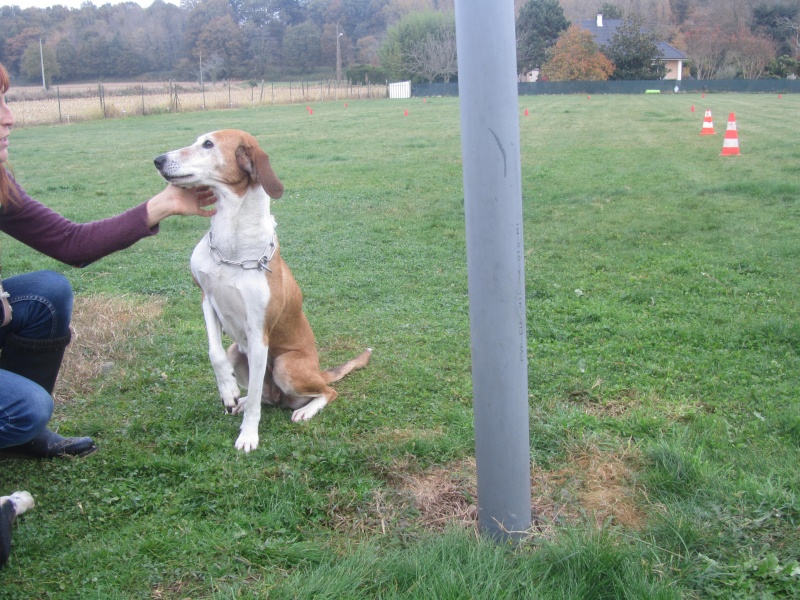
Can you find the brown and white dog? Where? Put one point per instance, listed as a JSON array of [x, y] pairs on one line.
[[248, 290]]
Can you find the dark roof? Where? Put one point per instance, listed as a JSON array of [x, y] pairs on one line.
[[602, 37]]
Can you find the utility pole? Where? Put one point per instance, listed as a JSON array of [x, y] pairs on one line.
[[338, 56], [41, 61], [487, 82], [202, 86]]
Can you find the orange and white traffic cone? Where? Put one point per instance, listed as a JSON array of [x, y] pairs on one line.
[[730, 146], [708, 124]]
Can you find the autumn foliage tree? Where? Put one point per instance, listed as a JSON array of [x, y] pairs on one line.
[[576, 57], [751, 54]]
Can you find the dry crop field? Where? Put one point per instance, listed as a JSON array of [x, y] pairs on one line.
[[80, 102]]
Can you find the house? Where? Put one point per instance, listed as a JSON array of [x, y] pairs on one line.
[[603, 31]]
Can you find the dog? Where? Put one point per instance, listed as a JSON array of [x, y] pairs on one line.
[[247, 289]]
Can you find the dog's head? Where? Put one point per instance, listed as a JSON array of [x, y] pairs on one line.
[[229, 158]]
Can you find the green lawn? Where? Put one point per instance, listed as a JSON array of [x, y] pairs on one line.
[[664, 362]]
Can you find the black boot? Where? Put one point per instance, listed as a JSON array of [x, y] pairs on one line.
[[39, 361]]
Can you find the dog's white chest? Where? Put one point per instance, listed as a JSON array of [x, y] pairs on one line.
[[238, 296]]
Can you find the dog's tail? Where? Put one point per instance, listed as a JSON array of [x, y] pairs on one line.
[[358, 362]]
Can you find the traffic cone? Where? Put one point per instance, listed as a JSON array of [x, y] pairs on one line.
[[526, 112], [708, 125], [730, 146], [692, 108], [405, 113]]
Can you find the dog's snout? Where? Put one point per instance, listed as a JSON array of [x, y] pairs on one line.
[[159, 161]]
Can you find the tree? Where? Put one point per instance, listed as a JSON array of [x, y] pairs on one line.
[[221, 37], [396, 52], [706, 46], [576, 57], [752, 54], [611, 11], [435, 56], [15, 46], [367, 51], [201, 14], [539, 24], [780, 22], [635, 52], [301, 47]]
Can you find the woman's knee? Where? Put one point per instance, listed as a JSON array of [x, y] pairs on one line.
[[42, 303], [58, 290]]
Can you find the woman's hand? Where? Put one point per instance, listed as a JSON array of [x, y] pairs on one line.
[[174, 200]]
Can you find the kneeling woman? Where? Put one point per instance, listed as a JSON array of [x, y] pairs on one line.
[[36, 307]]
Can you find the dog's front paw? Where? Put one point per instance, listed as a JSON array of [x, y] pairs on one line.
[[309, 410], [229, 393], [247, 441]]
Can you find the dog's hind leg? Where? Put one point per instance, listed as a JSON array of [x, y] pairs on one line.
[[304, 413], [303, 385]]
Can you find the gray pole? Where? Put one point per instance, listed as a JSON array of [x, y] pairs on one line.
[[41, 60], [338, 57], [487, 83]]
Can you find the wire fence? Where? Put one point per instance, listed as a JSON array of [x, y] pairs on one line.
[[777, 86], [67, 104]]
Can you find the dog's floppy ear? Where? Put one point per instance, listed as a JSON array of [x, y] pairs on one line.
[[256, 162]]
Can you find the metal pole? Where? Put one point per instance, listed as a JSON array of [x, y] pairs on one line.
[[202, 84], [338, 56], [41, 60], [487, 82]]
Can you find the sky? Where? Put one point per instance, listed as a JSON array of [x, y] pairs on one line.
[[73, 3]]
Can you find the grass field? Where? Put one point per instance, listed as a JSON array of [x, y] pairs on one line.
[[664, 358]]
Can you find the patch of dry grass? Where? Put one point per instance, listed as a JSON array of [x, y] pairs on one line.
[[598, 486], [102, 329]]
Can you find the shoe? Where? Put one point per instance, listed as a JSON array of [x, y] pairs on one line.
[[51, 445], [10, 508]]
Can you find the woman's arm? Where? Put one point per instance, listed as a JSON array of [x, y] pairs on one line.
[[80, 244]]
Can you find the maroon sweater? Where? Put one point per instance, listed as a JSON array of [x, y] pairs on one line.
[[76, 244]]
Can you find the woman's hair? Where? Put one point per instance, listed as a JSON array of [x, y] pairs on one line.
[[7, 191]]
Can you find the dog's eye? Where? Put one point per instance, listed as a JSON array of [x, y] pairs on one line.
[[208, 144]]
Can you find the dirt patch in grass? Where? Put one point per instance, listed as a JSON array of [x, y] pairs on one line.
[[102, 330]]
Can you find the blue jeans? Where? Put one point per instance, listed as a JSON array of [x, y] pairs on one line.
[[41, 304]]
